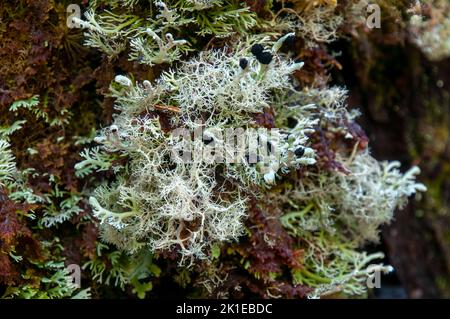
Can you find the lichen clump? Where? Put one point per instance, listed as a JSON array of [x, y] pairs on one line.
[[164, 203]]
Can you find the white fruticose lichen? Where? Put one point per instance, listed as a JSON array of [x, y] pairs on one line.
[[361, 200], [372, 191], [336, 213], [166, 49], [163, 204], [214, 82]]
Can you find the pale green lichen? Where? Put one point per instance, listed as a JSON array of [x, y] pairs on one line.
[[163, 205], [151, 36]]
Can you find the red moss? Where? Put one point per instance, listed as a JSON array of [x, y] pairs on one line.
[[267, 250], [265, 119], [15, 237]]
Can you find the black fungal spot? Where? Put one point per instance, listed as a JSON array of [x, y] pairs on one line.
[[243, 63], [207, 139], [269, 147], [291, 122], [264, 57], [299, 152], [289, 42]]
